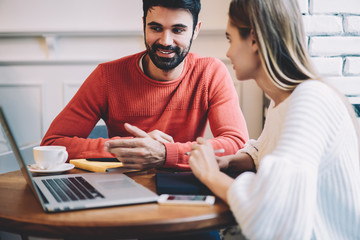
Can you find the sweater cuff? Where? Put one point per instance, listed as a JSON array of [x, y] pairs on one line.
[[252, 150], [171, 155]]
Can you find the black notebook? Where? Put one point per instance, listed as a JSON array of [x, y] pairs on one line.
[[180, 183]]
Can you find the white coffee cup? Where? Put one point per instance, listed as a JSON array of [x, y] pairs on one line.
[[49, 157]]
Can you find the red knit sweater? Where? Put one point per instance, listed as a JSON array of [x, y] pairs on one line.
[[119, 92]]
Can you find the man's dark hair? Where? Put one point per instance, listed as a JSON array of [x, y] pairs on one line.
[[193, 6]]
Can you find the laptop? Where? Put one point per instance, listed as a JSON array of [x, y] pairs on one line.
[[58, 193]]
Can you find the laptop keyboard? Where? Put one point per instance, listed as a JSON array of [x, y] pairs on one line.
[[71, 189]]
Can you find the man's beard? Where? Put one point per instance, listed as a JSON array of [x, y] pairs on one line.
[[164, 63]]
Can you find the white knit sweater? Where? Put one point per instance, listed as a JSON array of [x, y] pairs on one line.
[[307, 184]]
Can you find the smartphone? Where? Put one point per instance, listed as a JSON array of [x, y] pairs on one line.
[[195, 200]]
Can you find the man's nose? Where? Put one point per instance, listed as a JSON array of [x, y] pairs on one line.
[[166, 39]]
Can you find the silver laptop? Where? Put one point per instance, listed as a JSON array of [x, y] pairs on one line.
[[67, 192]]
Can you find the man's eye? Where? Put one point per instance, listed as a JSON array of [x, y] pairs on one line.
[[178, 30], [156, 29]]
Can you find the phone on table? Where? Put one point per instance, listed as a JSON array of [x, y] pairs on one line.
[[195, 200]]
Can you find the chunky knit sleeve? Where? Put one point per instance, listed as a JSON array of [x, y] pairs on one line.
[[279, 201]]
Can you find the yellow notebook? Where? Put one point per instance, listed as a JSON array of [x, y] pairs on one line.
[[96, 166]]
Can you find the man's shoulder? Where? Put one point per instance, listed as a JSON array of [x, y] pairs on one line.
[[205, 64], [196, 58]]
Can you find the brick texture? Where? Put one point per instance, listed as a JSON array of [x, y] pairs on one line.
[[335, 45], [352, 24], [333, 31], [304, 6], [335, 6], [323, 24], [328, 66], [352, 67]]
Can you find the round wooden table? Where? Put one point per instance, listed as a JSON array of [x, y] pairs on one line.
[[21, 213]]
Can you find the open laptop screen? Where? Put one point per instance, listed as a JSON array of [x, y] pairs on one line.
[[8, 144]]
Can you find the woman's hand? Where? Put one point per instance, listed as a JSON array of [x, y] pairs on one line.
[[205, 167], [202, 160]]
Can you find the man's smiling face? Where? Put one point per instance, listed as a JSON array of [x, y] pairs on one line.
[[168, 36]]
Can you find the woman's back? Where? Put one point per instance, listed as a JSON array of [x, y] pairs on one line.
[[309, 185], [338, 179]]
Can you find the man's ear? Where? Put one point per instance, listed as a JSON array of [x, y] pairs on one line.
[[143, 23], [197, 30]]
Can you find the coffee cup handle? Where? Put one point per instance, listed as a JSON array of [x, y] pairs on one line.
[[65, 156]]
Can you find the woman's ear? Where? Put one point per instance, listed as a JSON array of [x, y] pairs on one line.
[[254, 43]]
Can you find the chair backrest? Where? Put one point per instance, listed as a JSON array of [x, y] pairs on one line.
[[99, 131]]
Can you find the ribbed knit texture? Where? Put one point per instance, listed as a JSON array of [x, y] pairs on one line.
[[120, 92], [308, 181]]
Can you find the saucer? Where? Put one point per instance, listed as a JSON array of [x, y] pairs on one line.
[[59, 169]]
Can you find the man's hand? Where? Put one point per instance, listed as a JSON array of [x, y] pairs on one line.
[[223, 161], [236, 163], [143, 152], [160, 136]]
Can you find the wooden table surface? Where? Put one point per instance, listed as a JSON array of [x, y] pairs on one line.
[[21, 213]]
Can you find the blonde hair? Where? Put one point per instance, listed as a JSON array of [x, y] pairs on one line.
[[278, 30]]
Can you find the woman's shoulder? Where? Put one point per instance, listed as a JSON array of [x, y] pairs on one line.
[[313, 86], [316, 89], [319, 96]]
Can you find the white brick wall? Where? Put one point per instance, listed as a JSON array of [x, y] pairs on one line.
[[333, 31], [352, 24], [352, 66], [334, 6], [323, 24], [304, 6], [329, 66], [334, 45]]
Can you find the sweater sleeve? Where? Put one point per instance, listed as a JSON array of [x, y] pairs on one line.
[[75, 122], [279, 201], [226, 120], [252, 148]]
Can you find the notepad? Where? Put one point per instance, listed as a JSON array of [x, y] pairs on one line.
[[98, 166]]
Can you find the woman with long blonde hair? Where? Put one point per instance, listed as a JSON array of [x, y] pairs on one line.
[[301, 177]]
